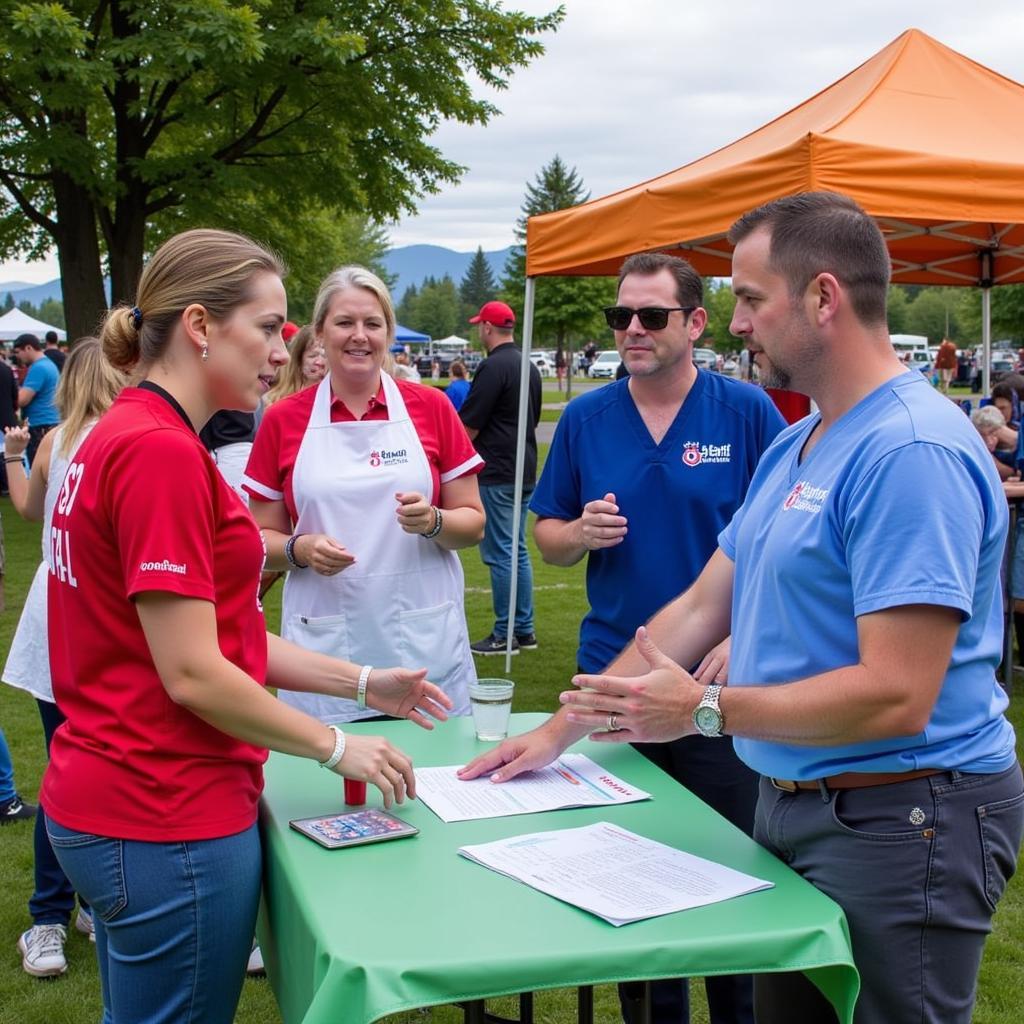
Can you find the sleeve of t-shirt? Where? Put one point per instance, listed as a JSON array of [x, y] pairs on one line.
[[557, 494], [483, 393], [901, 550], [264, 472], [456, 453], [35, 378], [162, 510]]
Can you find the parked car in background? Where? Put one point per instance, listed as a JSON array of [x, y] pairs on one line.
[[1002, 364], [606, 364], [544, 362], [705, 358]]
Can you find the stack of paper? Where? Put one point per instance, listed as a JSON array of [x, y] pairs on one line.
[[571, 781], [613, 873]]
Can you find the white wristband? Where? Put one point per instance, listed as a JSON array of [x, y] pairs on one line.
[[364, 678], [339, 749]]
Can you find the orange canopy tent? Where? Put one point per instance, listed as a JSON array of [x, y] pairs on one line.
[[925, 139]]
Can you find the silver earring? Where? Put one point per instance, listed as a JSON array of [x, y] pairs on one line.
[[205, 354]]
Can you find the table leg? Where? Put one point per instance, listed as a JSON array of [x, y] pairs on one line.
[[585, 1004], [474, 1011], [645, 1004]]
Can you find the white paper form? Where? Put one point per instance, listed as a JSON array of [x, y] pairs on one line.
[[571, 781], [613, 873]]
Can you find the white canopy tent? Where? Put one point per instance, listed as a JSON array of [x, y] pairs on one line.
[[16, 322]]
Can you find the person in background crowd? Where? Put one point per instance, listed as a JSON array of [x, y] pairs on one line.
[[52, 352], [889, 773], [12, 807], [946, 363], [87, 388], [403, 369], [458, 388], [37, 391], [491, 414], [365, 488], [640, 479], [306, 366], [161, 659]]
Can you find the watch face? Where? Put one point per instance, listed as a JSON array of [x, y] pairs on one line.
[[708, 720]]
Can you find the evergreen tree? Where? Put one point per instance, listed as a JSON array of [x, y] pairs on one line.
[[478, 285], [567, 309], [9, 302], [406, 311]]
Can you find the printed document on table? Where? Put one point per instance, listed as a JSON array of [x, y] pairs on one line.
[[613, 873], [571, 781]]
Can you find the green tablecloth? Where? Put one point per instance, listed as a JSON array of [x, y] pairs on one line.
[[355, 934]]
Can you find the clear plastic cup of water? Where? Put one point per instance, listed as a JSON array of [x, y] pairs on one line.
[[491, 701]]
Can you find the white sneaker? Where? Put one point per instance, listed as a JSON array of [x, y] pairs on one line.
[[254, 968], [83, 924], [42, 950]]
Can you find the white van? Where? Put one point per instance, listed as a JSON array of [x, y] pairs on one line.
[[917, 346]]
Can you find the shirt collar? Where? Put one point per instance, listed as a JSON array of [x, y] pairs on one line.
[[375, 401]]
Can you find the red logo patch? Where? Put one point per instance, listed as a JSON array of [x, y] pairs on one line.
[[374, 458], [691, 455], [793, 496]]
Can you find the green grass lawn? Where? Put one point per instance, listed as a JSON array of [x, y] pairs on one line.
[[539, 675]]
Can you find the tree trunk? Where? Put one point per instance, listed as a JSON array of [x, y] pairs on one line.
[[127, 249], [568, 372], [78, 253]]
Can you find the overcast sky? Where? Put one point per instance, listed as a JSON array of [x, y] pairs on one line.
[[630, 89]]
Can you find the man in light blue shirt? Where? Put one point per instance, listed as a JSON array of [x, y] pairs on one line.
[[37, 392], [861, 577]]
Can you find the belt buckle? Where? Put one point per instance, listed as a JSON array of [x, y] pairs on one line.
[[783, 785]]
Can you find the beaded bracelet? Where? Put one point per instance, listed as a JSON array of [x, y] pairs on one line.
[[289, 552], [339, 749], [438, 523], [364, 678]]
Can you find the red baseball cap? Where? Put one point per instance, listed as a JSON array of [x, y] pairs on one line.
[[496, 313], [289, 330]]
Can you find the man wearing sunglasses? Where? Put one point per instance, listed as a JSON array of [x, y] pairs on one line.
[[641, 477]]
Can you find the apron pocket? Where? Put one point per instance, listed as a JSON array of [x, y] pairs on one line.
[[430, 637], [325, 634]]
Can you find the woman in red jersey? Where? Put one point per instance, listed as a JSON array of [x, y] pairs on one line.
[[159, 665]]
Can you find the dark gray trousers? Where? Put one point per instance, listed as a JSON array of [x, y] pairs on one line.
[[918, 867]]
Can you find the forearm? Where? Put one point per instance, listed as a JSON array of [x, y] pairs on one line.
[[17, 485], [560, 541], [275, 541], [847, 705], [290, 667], [460, 528], [225, 697]]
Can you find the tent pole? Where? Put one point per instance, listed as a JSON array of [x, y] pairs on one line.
[[517, 500], [986, 340]]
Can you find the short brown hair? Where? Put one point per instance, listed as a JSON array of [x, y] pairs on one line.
[[824, 232], [689, 286]]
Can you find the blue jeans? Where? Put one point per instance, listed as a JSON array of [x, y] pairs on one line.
[[174, 921], [496, 553], [6, 771], [918, 867], [54, 897]]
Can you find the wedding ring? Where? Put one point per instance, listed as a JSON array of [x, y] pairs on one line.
[[613, 723]]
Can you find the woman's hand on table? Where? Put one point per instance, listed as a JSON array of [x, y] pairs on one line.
[[374, 759], [322, 554], [405, 693], [414, 513], [15, 441], [514, 756]]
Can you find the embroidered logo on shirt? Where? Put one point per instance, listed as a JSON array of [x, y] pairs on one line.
[[695, 453], [386, 457], [164, 566], [805, 497]]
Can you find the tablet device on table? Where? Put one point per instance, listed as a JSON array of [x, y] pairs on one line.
[[353, 828]]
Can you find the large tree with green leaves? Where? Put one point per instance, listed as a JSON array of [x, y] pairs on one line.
[[567, 309], [117, 116]]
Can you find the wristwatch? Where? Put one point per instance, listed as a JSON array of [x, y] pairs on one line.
[[707, 715]]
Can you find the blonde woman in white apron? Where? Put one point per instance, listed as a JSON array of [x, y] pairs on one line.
[[365, 487]]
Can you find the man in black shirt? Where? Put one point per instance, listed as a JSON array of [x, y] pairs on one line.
[[490, 414], [52, 352]]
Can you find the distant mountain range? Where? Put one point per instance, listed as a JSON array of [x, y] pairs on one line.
[[408, 264]]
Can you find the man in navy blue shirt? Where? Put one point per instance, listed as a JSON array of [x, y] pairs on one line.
[[641, 477]]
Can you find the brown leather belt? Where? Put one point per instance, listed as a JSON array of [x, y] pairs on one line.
[[853, 780]]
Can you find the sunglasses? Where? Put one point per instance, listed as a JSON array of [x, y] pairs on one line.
[[652, 318]]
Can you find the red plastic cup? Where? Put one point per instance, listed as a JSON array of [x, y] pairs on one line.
[[355, 793]]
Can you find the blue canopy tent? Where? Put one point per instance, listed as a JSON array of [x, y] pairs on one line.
[[410, 337]]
